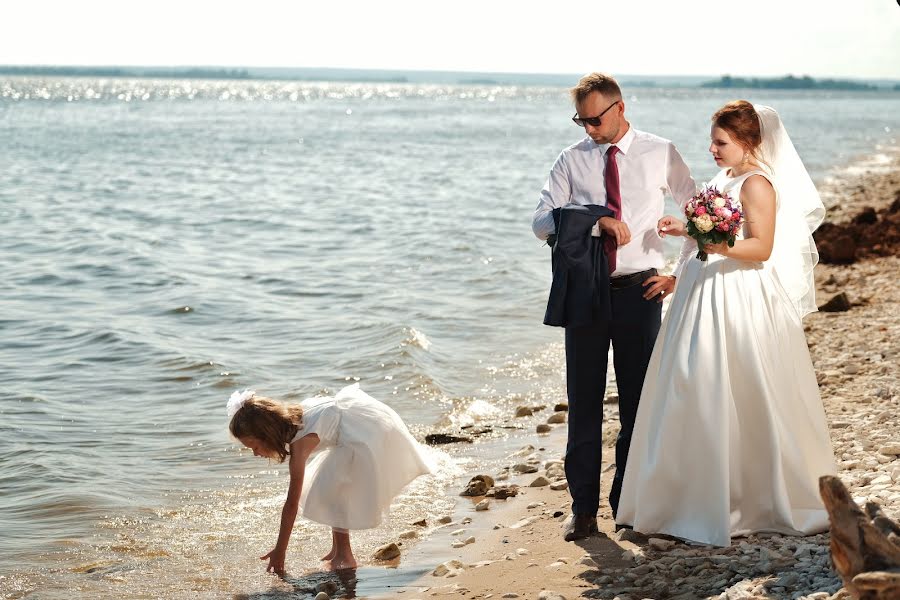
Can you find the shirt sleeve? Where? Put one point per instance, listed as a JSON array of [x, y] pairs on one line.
[[556, 193], [681, 187], [678, 177]]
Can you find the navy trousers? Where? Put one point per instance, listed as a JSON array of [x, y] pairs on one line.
[[632, 331]]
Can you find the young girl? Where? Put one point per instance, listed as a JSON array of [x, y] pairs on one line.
[[364, 456]]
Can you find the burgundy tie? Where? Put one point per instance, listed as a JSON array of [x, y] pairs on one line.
[[613, 202]]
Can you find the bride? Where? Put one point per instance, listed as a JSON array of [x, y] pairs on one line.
[[731, 436]]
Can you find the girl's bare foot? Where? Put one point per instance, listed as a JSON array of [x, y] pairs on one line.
[[340, 562], [330, 554]]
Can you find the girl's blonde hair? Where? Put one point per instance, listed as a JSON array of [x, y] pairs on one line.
[[270, 421]]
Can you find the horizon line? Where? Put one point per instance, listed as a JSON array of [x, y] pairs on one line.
[[446, 71]]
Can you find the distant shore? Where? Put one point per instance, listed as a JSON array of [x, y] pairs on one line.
[[787, 82]]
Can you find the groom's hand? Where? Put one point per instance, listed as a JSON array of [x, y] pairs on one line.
[[617, 229], [658, 286]]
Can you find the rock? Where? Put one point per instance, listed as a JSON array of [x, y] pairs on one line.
[[478, 486], [322, 596], [611, 399], [408, 535], [890, 449], [558, 486], [509, 595], [329, 588], [660, 544], [540, 481], [420, 523], [483, 505], [523, 523], [557, 418], [556, 472], [561, 407], [524, 411], [837, 303], [444, 569], [629, 535], [445, 520], [543, 428], [548, 595], [434, 439], [835, 244], [387, 552], [525, 468], [502, 493]]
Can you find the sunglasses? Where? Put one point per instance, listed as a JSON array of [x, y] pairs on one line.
[[592, 121]]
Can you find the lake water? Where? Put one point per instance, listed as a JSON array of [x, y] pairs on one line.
[[167, 242]]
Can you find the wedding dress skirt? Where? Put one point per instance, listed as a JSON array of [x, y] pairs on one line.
[[730, 436]]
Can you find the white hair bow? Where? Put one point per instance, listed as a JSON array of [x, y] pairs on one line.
[[236, 401]]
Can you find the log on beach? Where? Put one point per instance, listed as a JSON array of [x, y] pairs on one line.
[[865, 545]]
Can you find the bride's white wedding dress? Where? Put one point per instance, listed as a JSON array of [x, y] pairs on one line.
[[730, 436]]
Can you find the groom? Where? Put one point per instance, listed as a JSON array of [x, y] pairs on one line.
[[629, 172]]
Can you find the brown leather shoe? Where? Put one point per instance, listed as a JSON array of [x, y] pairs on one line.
[[580, 527]]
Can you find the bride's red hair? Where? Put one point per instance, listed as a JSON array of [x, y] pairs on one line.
[[740, 120]]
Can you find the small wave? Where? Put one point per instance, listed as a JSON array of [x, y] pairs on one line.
[[418, 339], [472, 412], [833, 190]]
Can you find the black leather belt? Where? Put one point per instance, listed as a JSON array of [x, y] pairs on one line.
[[624, 281]]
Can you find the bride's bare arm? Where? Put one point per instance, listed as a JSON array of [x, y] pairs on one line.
[[758, 200]]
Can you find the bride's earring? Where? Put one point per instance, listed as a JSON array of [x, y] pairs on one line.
[[746, 158]]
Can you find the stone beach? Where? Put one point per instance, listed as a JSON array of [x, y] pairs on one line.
[[514, 549]]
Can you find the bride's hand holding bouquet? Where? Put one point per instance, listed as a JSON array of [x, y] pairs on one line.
[[713, 219]]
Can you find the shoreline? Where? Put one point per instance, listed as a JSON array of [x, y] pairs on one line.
[[519, 552]]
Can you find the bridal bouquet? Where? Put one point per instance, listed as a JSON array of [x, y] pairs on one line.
[[712, 218]]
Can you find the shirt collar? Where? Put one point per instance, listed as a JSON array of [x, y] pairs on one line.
[[624, 144]]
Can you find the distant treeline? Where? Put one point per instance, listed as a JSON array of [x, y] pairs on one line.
[[173, 73], [790, 83]]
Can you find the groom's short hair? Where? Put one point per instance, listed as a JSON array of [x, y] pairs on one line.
[[596, 82]]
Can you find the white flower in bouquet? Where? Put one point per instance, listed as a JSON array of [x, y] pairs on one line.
[[703, 223]]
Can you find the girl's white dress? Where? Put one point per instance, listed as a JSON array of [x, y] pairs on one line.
[[730, 436], [365, 457]]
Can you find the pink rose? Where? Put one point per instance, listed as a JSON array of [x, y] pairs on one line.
[[722, 227], [701, 210]]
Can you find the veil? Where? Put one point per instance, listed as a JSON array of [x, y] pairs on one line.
[[799, 212]]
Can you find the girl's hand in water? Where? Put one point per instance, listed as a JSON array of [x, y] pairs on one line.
[[276, 561]]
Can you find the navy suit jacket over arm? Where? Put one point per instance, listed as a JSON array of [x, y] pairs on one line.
[[580, 289]]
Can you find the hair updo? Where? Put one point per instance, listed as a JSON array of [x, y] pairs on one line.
[[740, 120]]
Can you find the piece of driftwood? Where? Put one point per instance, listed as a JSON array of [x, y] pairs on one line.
[[865, 545]]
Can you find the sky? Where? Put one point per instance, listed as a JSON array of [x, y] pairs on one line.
[[821, 38]]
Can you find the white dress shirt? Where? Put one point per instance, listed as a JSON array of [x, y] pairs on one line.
[[649, 167]]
